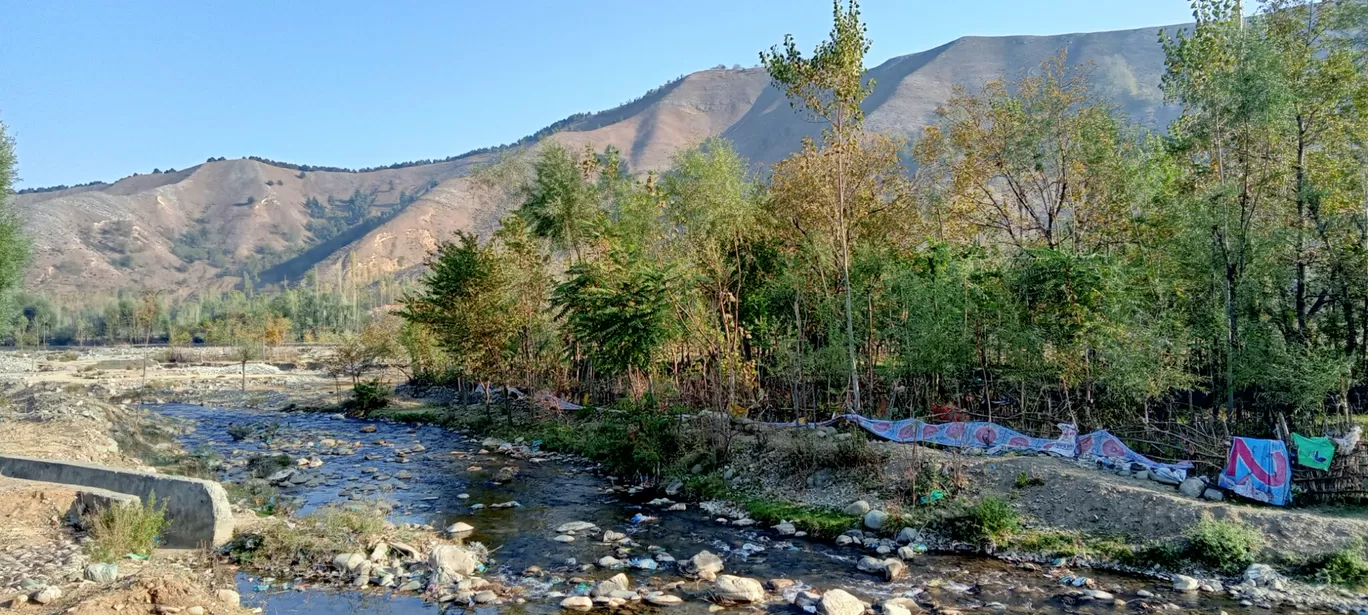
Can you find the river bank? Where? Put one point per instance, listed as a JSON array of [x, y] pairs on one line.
[[415, 461]]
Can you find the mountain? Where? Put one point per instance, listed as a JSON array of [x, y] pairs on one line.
[[208, 224]]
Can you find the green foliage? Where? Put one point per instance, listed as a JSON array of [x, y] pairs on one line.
[[262, 466], [1345, 567], [618, 310], [369, 396], [125, 528], [987, 524], [818, 522], [1024, 480], [240, 431], [313, 541], [1224, 546]]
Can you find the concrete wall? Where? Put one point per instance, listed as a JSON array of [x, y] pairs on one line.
[[197, 509]]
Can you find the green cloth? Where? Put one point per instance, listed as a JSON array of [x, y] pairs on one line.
[[1314, 452]]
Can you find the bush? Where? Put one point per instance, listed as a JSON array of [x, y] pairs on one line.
[[368, 397], [1223, 546], [259, 496], [985, 524], [127, 528], [262, 466], [1345, 567], [239, 432], [312, 541]]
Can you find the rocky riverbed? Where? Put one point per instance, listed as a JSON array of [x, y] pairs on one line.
[[560, 536]]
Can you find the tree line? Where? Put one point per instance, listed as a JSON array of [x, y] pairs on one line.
[[1044, 259]]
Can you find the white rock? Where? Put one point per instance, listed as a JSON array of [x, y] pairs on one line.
[[786, 529], [858, 507], [704, 562], [47, 595], [576, 526], [839, 602], [228, 596], [1185, 583], [738, 590], [660, 599], [460, 527], [348, 562], [450, 562]]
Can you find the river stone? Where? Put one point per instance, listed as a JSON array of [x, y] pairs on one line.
[[460, 527], [102, 573], [228, 597], [47, 595], [704, 563], [348, 562], [609, 561], [907, 553], [870, 564], [738, 590], [875, 519], [407, 550], [900, 606], [485, 597], [839, 602], [1213, 494], [786, 529], [1185, 583], [450, 562], [564, 538], [611, 536], [858, 507], [577, 603], [660, 599], [576, 526], [894, 569], [1192, 487], [379, 553], [908, 535]]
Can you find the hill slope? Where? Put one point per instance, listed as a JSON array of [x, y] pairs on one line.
[[207, 225]]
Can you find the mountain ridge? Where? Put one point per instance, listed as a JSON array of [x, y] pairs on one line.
[[249, 215]]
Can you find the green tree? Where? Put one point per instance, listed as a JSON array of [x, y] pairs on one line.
[[14, 246]]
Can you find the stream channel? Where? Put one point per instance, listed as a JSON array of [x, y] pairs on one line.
[[425, 487]]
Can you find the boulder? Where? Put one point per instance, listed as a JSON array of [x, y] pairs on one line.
[[1192, 487], [1262, 575], [228, 597], [1184, 583], [894, 569], [1214, 495], [839, 602], [704, 563], [450, 562], [102, 573], [858, 507], [870, 564], [577, 603], [900, 606], [908, 536], [738, 590], [348, 562], [875, 519], [460, 527], [786, 529]]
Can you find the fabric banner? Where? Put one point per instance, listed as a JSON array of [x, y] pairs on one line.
[[1102, 444], [1314, 452], [1259, 470], [969, 434]]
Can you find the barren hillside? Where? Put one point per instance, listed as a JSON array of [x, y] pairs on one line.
[[210, 224]]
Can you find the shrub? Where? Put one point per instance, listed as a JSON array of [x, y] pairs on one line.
[[819, 522], [1224, 546], [124, 528], [239, 432], [986, 524], [1345, 567], [1024, 480], [312, 541], [259, 496], [262, 466], [368, 397]]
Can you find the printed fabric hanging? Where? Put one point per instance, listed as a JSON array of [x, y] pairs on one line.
[[1259, 470], [1314, 452]]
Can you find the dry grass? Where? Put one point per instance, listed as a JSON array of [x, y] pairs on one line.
[[125, 529], [313, 540]]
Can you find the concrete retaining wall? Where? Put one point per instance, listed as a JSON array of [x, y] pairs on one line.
[[197, 509]]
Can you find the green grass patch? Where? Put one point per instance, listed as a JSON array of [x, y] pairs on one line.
[[1345, 568], [818, 522], [259, 496], [987, 524], [124, 529], [1223, 546], [307, 542]]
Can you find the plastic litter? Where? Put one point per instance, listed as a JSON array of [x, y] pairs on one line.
[[640, 518], [644, 563], [934, 496]]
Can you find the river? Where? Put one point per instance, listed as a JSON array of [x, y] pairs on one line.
[[425, 486]]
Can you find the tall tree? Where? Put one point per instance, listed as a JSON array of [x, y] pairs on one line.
[[830, 84], [14, 246]]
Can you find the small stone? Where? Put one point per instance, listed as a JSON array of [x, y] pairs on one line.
[[47, 595], [1192, 487], [195, 610], [907, 553], [577, 603], [102, 573], [678, 507], [875, 519], [858, 507], [660, 599], [738, 590], [564, 538], [779, 585], [894, 569], [609, 561], [460, 527], [1214, 495], [1185, 583], [576, 526], [1145, 593], [786, 529], [485, 597], [611, 536]]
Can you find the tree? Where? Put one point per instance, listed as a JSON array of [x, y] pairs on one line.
[[830, 85], [14, 246], [560, 203]]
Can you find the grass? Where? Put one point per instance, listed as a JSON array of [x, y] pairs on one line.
[[1345, 568], [818, 522], [259, 496], [1024, 480], [989, 523], [1224, 546], [307, 542], [126, 528]]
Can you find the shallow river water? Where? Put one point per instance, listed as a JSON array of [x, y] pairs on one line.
[[554, 493]]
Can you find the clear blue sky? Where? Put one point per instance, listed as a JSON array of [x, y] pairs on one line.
[[96, 90]]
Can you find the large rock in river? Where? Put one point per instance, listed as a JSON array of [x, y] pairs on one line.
[[738, 590], [449, 563], [839, 602]]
